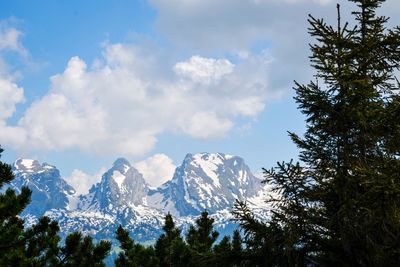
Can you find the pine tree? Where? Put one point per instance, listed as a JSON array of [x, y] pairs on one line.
[[202, 236], [200, 239], [79, 250], [42, 243], [229, 253], [11, 226], [340, 206], [134, 255], [237, 249], [170, 248], [222, 253], [39, 244]]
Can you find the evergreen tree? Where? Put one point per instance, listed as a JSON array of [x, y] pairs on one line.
[[39, 244], [12, 242], [237, 249], [202, 236], [340, 206], [222, 253], [229, 253], [133, 255], [200, 239], [170, 248], [42, 241], [80, 251]]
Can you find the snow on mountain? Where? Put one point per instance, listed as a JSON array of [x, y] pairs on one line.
[[205, 181], [119, 198], [49, 190], [121, 186]]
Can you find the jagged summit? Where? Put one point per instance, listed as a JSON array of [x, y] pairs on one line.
[[121, 186], [121, 164], [204, 181], [29, 165], [211, 181], [49, 190]]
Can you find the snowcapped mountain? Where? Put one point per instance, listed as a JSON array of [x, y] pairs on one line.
[[119, 198], [49, 190], [203, 181], [121, 186]]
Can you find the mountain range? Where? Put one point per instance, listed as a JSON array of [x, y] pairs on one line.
[[204, 181]]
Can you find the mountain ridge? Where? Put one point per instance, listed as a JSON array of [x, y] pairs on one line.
[[204, 181]]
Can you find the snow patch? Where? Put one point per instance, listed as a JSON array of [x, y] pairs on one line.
[[209, 164], [118, 177], [27, 163]]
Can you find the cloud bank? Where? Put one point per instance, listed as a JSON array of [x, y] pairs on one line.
[[123, 101]]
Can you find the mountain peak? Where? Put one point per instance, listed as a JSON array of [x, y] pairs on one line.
[[27, 165], [121, 162], [121, 186], [211, 181], [31, 166], [49, 190]]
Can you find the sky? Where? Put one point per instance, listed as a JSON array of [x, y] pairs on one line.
[[85, 82]]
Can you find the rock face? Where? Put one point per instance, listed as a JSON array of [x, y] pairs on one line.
[[120, 186], [203, 181], [49, 190]]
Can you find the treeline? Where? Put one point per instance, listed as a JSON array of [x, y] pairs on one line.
[[198, 248], [338, 206]]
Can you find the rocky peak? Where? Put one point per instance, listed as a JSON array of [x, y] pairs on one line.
[[122, 165], [206, 181], [49, 190], [121, 186], [30, 166]]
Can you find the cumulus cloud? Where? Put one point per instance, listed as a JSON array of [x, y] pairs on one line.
[[10, 40], [123, 101], [207, 26], [204, 70], [10, 93], [82, 181], [156, 169]]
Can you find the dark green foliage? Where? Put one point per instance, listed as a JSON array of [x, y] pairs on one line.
[[341, 206], [12, 242], [42, 240], [39, 244], [133, 255], [170, 248], [229, 253], [202, 236], [200, 239], [80, 251]]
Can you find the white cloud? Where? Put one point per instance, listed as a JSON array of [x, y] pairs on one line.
[[206, 125], [10, 40], [204, 70], [156, 169], [125, 100], [209, 26], [10, 96], [82, 181], [10, 93]]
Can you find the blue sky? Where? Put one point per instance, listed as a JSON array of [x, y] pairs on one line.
[[85, 82]]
